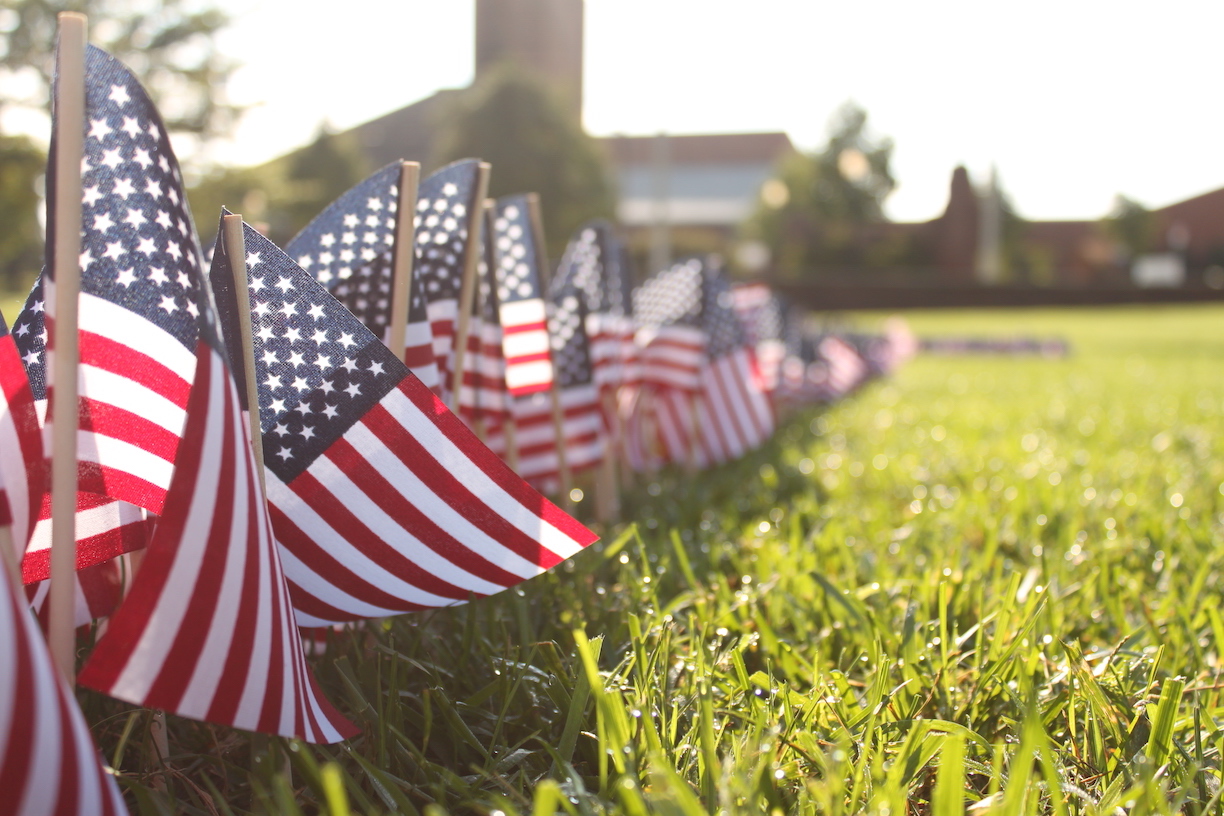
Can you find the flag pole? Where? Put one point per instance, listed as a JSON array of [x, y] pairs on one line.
[[69, 151], [235, 248], [563, 470], [403, 257], [467, 292], [11, 566]]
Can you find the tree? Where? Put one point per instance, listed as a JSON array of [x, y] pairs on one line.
[[1132, 225], [167, 43], [21, 170], [510, 120], [811, 214]]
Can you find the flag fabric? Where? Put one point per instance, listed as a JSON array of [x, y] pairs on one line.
[[48, 763], [523, 316], [447, 219], [841, 368], [207, 629], [140, 269], [97, 591], [667, 310], [349, 248], [381, 500], [485, 369], [23, 466], [105, 528]]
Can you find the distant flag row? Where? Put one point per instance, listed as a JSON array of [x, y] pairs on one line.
[[399, 465]]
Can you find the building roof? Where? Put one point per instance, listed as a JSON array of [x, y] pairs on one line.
[[713, 148]]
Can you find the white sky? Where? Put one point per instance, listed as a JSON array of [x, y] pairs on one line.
[[1073, 100]]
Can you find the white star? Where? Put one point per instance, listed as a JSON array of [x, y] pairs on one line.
[[119, 95], [327, 239], [136, 218], [278, 407], [99, 129], [91, 196], [288, 309], [316, 311], [147, 246], [260, 309], [111, 158], [353, 390], [346, 340], [305, 261], [153, 188], [252, 259], [307, 432], [269, 357], [123, 188], [163, 218], [257, 285], [22, 329], [158, 275], [86, 259], [173, 193], [350, 220], [284, 284], [30, 358], [329, 411], [141, 157], [295, 359], [192, 309], [374, 204], [265, 333], [372, 220], [113, 250], [184, 280], [293, 334], [449, 189], [162, 162], [302, 408], [174, 250], [300, 384], [376, 368], [131, 126], [103, 222], [327, 387], [168, 304], [319, 336], [349, 238], [284, 453], [37, 307], [281, 429], [347, 256], [326, 258], [350, 365]]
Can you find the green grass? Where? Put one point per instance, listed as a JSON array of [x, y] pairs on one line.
[[990, 583]]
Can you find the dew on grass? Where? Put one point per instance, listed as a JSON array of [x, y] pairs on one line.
[[1176, 500], [654, 488], [1041, 520], [806, 466]]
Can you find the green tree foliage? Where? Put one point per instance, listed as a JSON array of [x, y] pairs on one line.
[[21, 170], [510, 120], [814, 212], [1132, 225]]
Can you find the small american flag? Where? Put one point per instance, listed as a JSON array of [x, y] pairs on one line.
[[207, 629], [349, 248], [524, 319], [667, 309], [382, 501], [140, 276], [484, 398], [48, 762], [840, 368]]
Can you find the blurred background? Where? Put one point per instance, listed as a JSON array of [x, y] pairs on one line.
[[856, 155]]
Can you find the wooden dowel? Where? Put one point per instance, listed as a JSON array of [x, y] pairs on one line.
[[69, 150], [235, 248], [12, 564], [467, 291], [403, 257]]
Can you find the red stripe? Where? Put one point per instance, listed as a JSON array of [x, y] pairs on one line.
[[524, 359], [119, 484], [110, 355], [91, 550], [523, 328], [109, 420], [492, 466], [15, 770]]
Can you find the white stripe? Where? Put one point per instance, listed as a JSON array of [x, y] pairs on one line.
[[128, 328], [521, 312], [104, 386], [14, 479], [106, 450], [332, 595], [520, 375], [520, 344]]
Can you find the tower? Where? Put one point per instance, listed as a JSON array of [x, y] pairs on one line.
[[541, 36]]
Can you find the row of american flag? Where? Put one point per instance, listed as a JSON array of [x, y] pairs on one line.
[[400, 470]]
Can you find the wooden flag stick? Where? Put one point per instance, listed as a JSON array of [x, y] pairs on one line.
[[69, 150], [11, 566], [563, 470], [235, 248], [403, 258], [467, 292]]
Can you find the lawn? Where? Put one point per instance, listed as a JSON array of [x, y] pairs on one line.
[[989, 582]]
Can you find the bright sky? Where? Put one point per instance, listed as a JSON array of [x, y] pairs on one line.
[[1072, 100]]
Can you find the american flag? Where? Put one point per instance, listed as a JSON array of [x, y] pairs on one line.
[[524, 320], [140, 274], [382, 501], [667, 310], [484, 398], [105, 527], [48, 763], [207, 629], [23, 467], [704, 385], [595, 261], [449, 206], [763, 318], [350, 248], [839, 370]]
